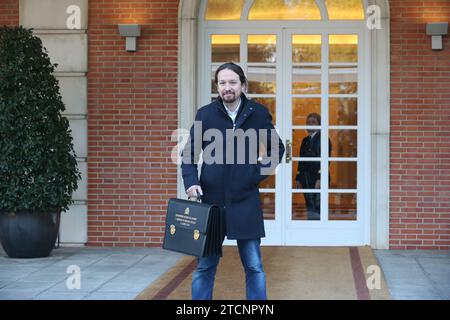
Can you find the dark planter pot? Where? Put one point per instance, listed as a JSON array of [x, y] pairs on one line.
[[29, 235]]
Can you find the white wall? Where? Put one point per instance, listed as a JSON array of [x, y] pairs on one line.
[[64, 34]]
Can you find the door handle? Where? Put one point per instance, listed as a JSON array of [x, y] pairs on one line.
[[288, 151]]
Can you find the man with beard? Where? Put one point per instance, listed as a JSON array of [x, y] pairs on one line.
[[232, 184]]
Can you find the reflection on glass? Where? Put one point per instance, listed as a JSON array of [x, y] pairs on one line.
[[343, 111], [224, 10], [342, 206], [262, 48], [302, 107], [270, 104], [344, 142], [225, 48], [268, 183], [306, 48], [342, 175], [306, 206], [268, 205], [343, 80], [343, 48], [345, 9], [261, 79], [306, 80], [306, 174], [284, 10]]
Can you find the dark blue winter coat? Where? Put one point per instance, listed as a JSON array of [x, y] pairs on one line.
[[233, 184]]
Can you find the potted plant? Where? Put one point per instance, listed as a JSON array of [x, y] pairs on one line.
[[38, 167]]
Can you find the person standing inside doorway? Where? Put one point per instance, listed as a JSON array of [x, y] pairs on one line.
[[308, 172], [231, 173]]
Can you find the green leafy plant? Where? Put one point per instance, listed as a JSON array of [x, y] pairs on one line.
[[38, 167]]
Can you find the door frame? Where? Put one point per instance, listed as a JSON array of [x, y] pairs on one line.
[[347, 232], [379, 42], [282, 230]]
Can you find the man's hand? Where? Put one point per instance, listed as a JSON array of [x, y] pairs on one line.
[[193, 191]]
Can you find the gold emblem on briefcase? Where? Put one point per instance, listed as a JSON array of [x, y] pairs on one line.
[[196, 234], [172, 229], [186, 211]]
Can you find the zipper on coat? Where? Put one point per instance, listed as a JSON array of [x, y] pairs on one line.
[[228, 117]]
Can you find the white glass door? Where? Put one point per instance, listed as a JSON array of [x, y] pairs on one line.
[[325, 183], [312, 82], [259, 53]]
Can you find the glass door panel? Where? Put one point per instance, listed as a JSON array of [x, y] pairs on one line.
[[302, 107], [262, 87], [343, 126], [324, 181], [343, 111], [267, 200], [224, 48], [306, 206], [342, 206], [305, 123]]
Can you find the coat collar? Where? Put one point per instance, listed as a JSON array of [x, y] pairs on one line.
[[245, 110]]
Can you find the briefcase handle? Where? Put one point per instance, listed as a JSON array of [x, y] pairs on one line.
[[198, 198]]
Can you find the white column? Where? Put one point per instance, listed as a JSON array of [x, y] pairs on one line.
[[380, 128], [62, 26], [187, 70]]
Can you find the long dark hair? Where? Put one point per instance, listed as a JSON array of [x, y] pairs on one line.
[[236, 69]]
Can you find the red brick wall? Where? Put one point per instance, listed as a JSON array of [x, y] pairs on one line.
[[9, 12], [132, 110], [420, 128]]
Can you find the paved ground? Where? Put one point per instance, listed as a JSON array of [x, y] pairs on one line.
[[106, 274], [416, 275], [122, 273]]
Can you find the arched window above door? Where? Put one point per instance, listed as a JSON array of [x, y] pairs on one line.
[[284, 10], [224, 10], [201, 51], [345, 9]]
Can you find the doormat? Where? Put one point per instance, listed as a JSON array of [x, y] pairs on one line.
[[292, 273]]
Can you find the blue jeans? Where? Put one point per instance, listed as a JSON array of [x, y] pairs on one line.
[[255, 278]]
